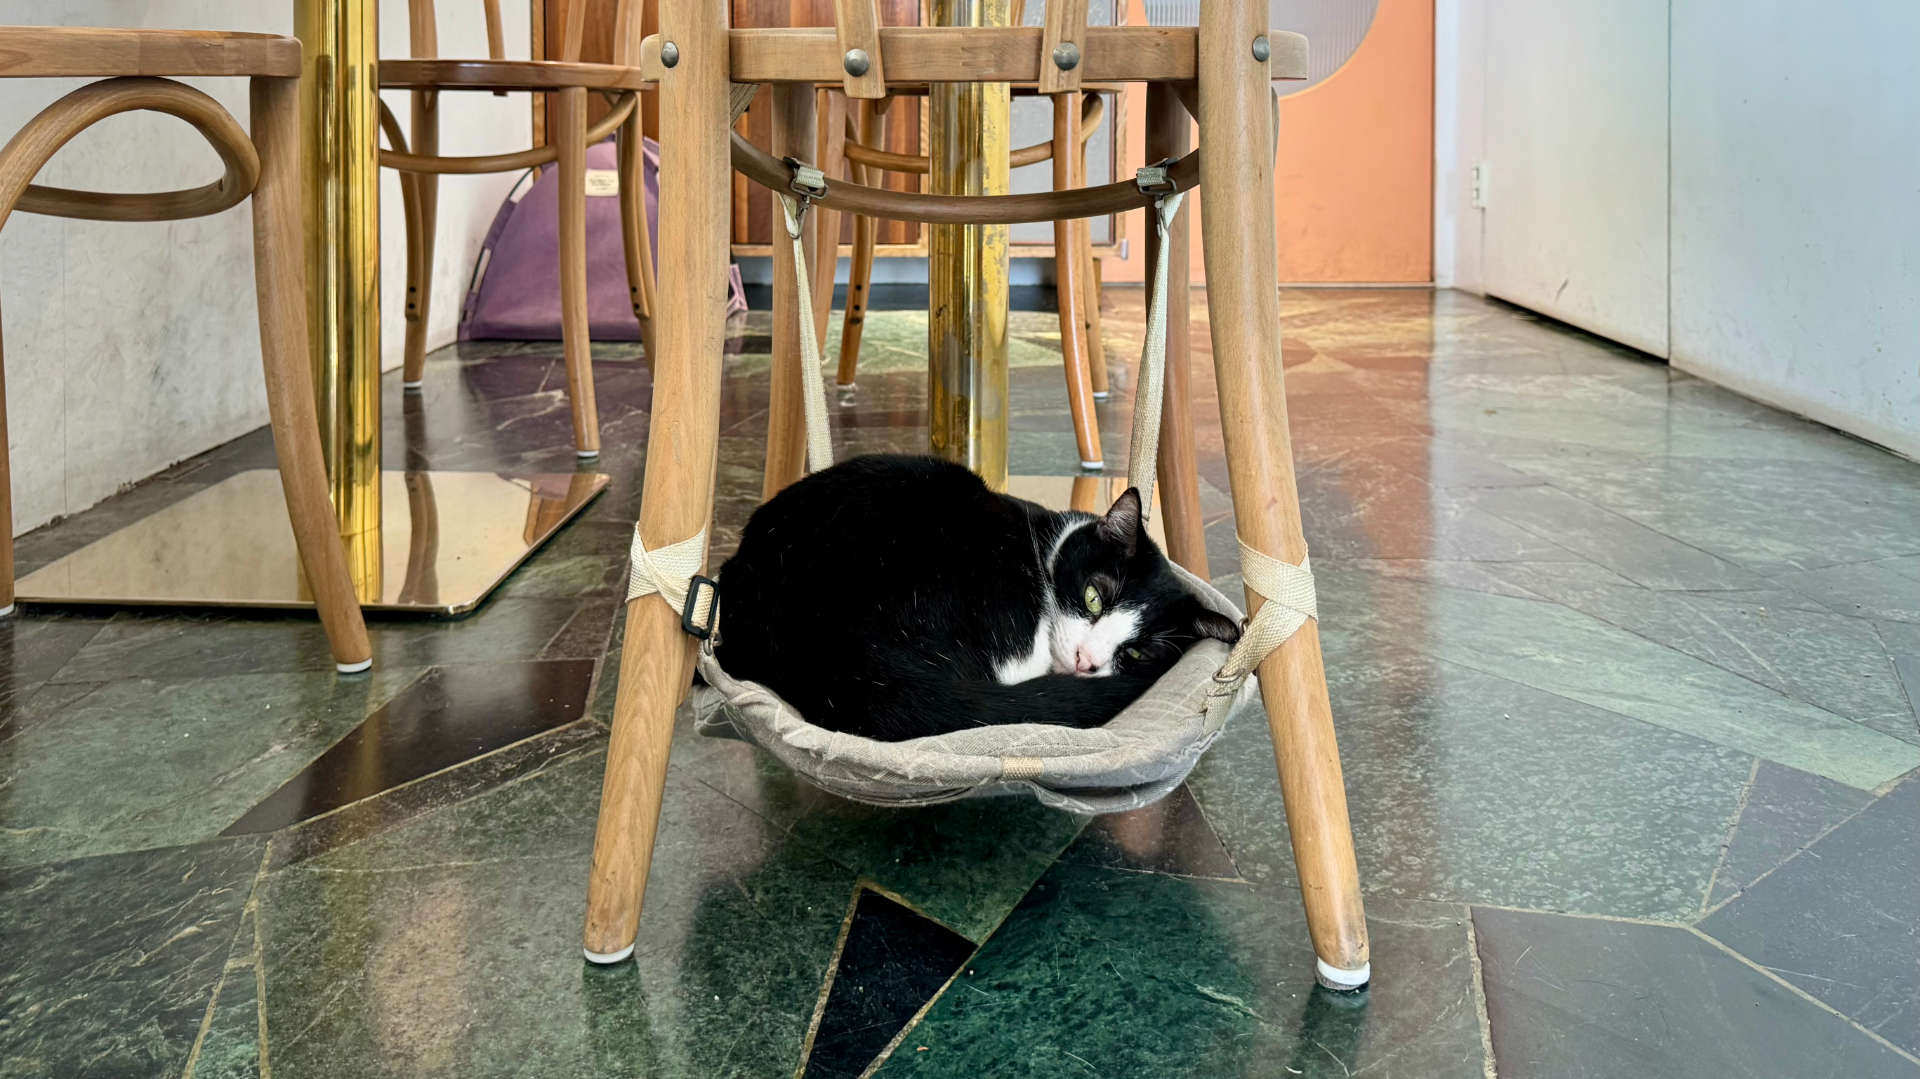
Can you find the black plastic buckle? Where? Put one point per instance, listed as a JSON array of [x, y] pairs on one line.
[[693, 602]]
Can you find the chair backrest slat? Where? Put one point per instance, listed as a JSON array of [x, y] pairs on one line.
[[1065, 28], [857, 22]]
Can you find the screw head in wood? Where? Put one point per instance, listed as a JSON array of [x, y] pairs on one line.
[[669, 54], [1262, 48], [1066, 56], [857, 62]]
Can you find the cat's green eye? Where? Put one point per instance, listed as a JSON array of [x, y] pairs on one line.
[[1093, 600], [1133, 653]]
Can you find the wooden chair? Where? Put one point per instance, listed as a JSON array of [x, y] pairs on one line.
[[1076, 286], [566, 82], [136, 69], [1219, 72]]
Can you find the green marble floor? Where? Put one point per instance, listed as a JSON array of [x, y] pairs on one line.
[[1623, 667]]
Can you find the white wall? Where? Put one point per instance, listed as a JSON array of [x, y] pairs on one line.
[[1796, 207], [132, 346], [1790, 268]]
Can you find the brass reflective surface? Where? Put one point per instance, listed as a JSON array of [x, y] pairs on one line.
[[339, 105], [967, 139], [447, 539]]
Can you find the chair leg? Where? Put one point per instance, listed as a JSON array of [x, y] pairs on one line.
[[860, 268], [1090, 285], [831, 135], [1244, 307], [636, 234], [1169, 134], [656, 662], [6, 500], [1067, 288], [569, 114], [280, 275], [420, 196], [793, 123]]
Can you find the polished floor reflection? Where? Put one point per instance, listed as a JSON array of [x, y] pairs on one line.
[[1624, 668]]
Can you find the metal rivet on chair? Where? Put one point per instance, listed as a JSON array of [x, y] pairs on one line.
[[857, 62], [1262, 48], [1066, 56], [669, 54]]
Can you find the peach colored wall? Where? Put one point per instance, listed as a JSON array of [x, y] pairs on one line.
[[1354, 181]]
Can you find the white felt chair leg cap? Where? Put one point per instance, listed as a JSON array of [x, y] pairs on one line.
[[412, 387], [355, 668], [1101, 395], [605, 958], [1093, 466], [586, 455], [7, 610], [1342, 981]]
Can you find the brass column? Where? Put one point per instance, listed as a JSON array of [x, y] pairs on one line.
[[967, 135], [339, 109]]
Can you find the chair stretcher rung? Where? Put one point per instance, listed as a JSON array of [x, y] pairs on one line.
[[922, 54]]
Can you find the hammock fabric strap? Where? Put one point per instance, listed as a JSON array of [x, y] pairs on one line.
[[1144, 455], [669, 571], [1289, 595], [813, 393]]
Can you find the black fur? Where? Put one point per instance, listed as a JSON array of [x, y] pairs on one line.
[[878, 597]]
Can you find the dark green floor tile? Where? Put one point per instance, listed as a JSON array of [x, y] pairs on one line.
[[1462, 786], [1577, 656], [1760, 497], [145, 644], [451, 945], [33, 648], [1170, 836], [1842, 920], [1786, 810], [964, 863], [1603, 999], [142, 763], [1766, 635], [1862, 590], [109, 963], [1134, 974], [1628, 548], [229, 1048]]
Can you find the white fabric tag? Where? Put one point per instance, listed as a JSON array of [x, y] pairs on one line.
[[602, 182]]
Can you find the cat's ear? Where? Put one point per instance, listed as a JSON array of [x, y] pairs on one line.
[[1122, 525], [1211, 623]]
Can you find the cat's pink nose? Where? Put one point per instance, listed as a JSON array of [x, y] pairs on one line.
[[1083, 661]]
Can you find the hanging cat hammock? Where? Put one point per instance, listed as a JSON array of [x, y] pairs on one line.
[[1135, 759]]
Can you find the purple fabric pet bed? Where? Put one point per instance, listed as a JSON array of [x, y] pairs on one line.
[[515, 291]]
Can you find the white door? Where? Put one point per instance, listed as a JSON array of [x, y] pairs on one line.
[[1576, 157]]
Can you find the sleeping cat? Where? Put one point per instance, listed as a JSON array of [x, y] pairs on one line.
[[896, 597]]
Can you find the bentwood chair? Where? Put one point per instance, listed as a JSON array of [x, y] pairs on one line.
[[566, 83], [1218, 72], [136, 69], [1076, 274]]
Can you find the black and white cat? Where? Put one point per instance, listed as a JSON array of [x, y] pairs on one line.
[[896, 597]]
